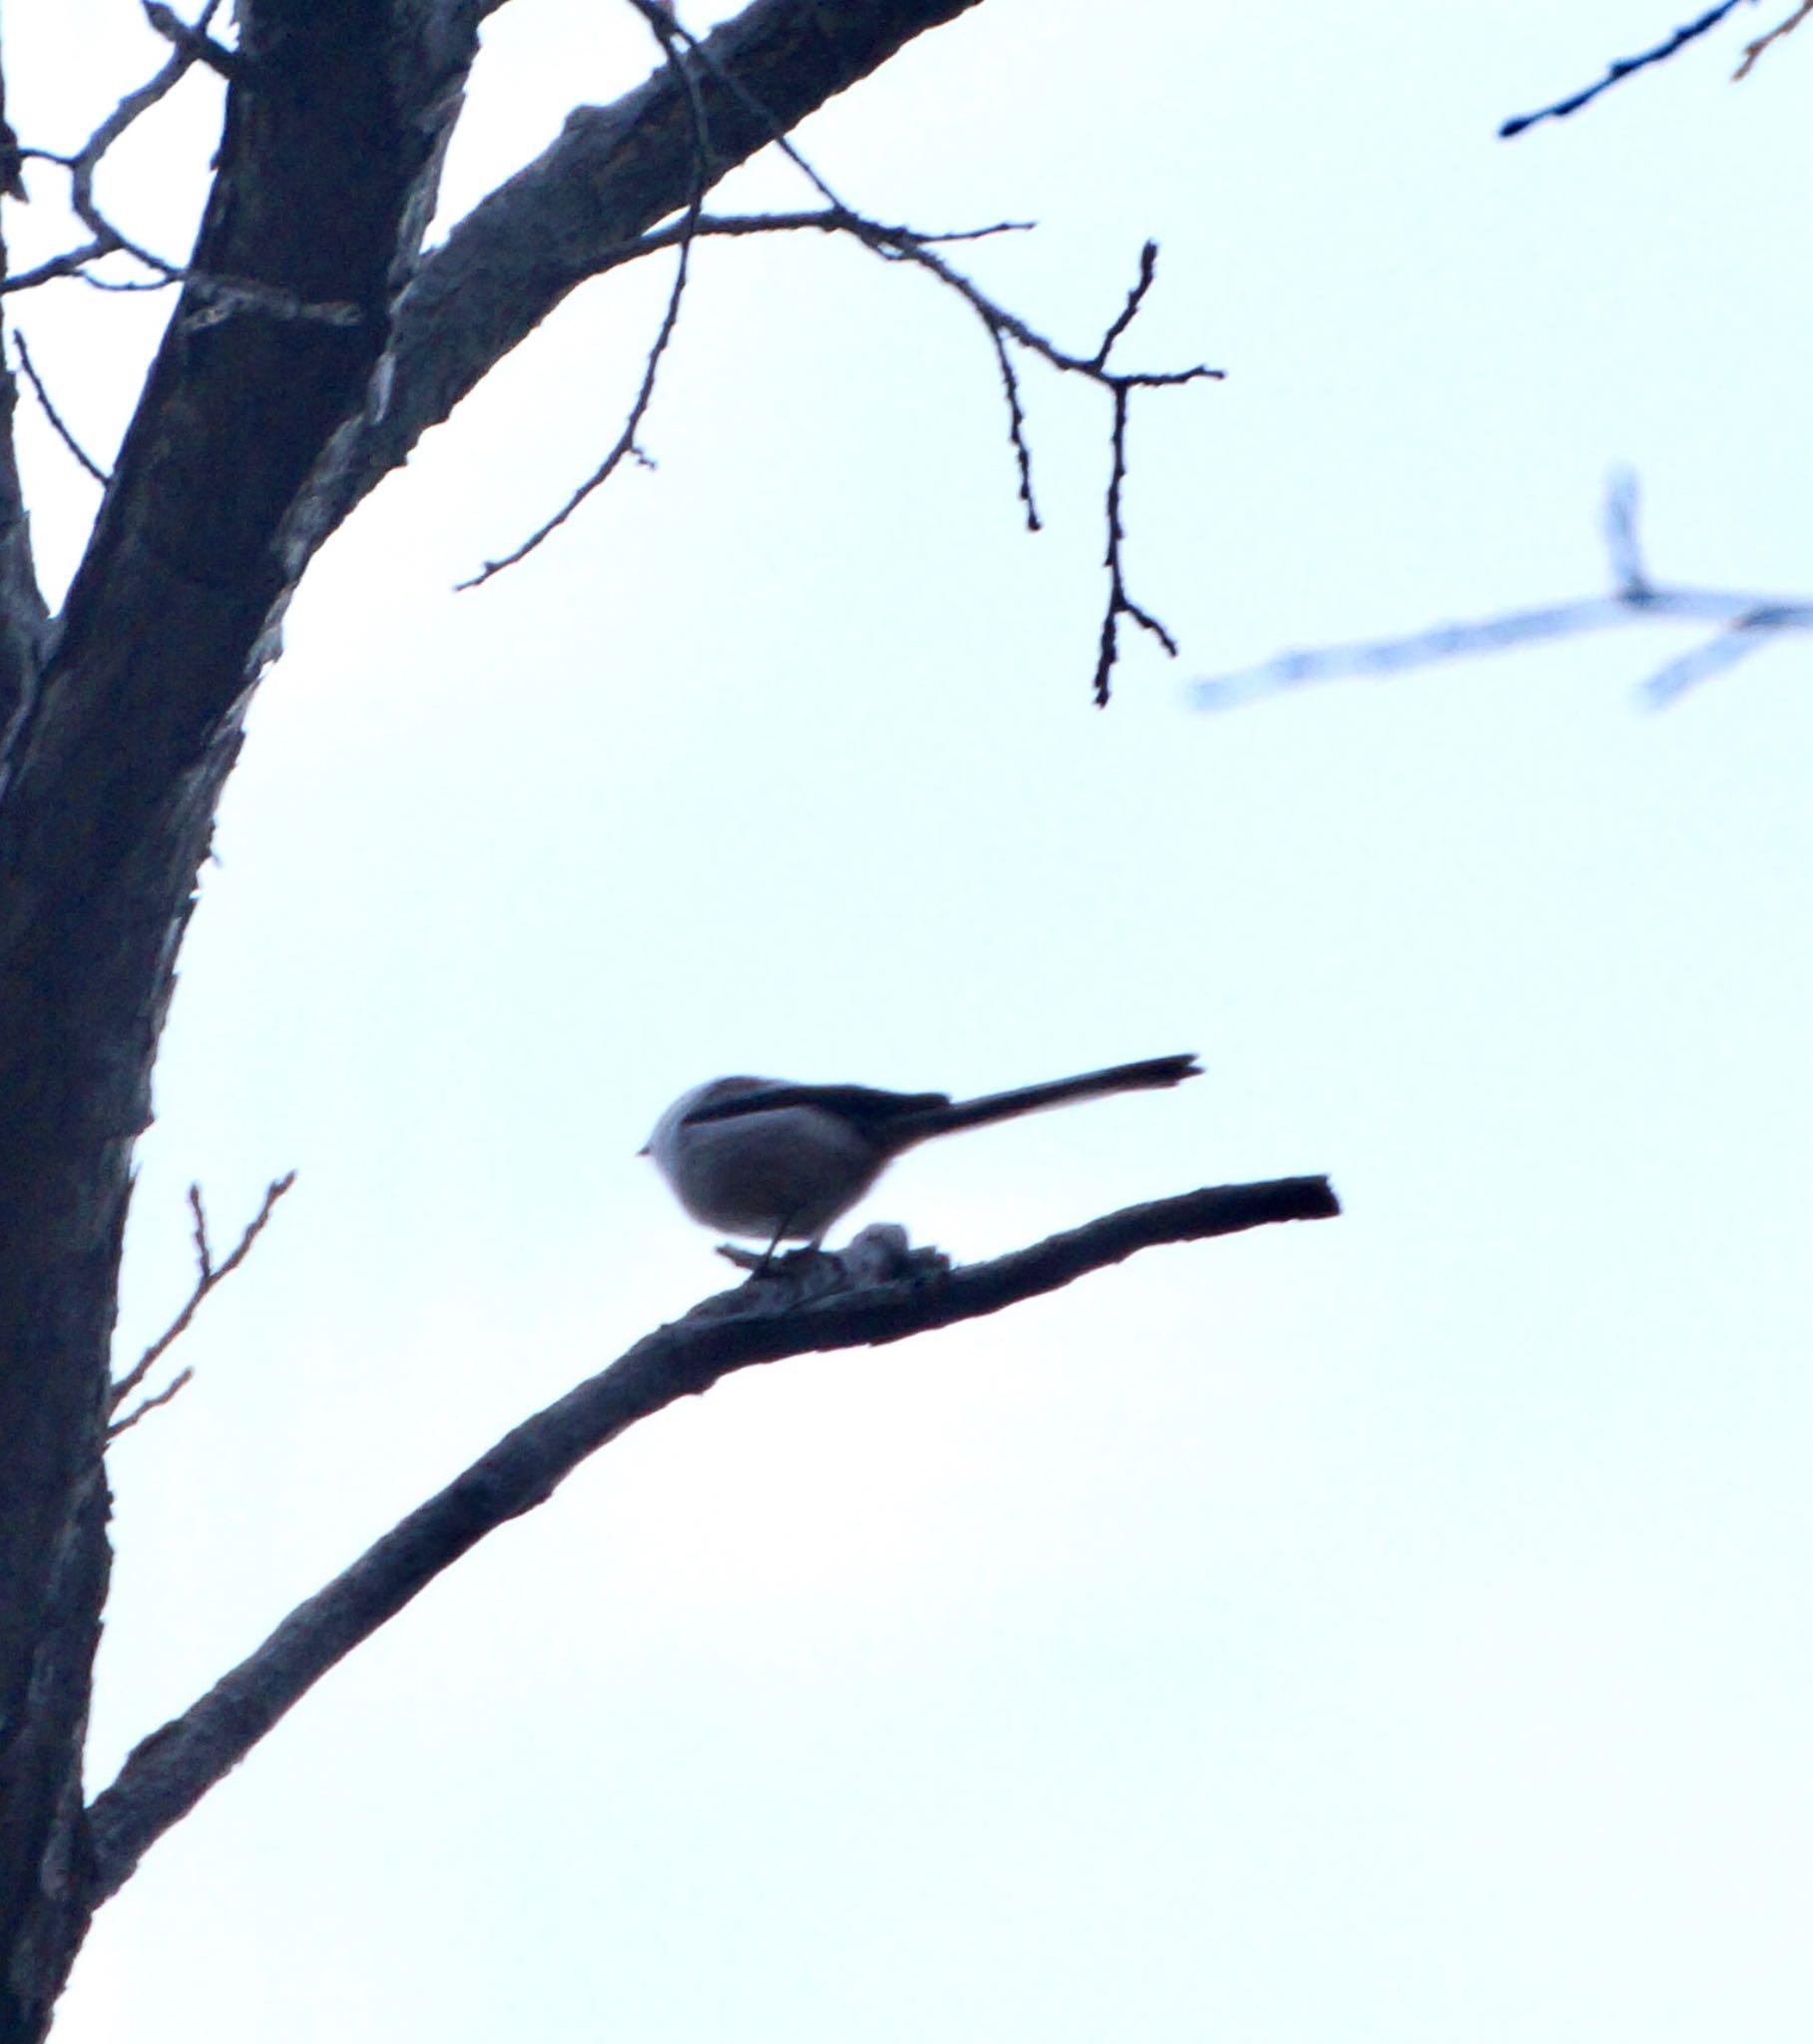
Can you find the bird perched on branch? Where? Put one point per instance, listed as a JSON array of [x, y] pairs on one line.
[[780, 1162]]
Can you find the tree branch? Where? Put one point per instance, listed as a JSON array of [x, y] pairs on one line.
[[58, 425], [209, 1274], [1782, 28], [1747, 623], [1621, 69], [905, 245], [24, 619], [613, 172], [762, 1320], [105, 238], [666, 34]]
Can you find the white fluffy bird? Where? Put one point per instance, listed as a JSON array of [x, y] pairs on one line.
[[780, 1162]]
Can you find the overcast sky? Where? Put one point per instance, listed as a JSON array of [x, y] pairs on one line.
[[1395, 1628]]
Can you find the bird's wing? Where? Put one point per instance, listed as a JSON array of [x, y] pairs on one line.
[[866, 1106]]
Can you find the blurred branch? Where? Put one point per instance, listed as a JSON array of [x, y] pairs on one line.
[[209, 1274], [1782, 28], [1621, 69], [1747, 624], [789, 1313], [105, 238]]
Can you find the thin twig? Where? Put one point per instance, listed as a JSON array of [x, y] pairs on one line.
[[1629, 575], [759, 1322], [897, 244], [1747, 622], [208, 1275], [218, 296], [667, 32], [1747, 634], [764, 115], [1621, 70], [117, 1427], [199, 1212], [1016, 429], [1782, 28], [87, 160], [51, 412], [1149, 268]]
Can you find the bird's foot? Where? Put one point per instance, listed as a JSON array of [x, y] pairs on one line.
[[879, 1254]]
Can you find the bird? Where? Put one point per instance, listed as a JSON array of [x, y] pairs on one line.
[[780, 1162]]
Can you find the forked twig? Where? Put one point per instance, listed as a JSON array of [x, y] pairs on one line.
[[208, 1275], [901, 245], [219, 297]]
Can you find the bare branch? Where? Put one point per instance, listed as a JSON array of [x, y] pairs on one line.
[[199, 1214], [24, 618], [583, 207], [1623, 494], [117, 1427], [897, 245], [758, 1322], [107, 239], [910, 246], [666, 33], [197, 42], [69, 264], [1748, 622], [221, 295], [1149, 268], [1621, 70], [207, 1276], [1782, 28], [1119, 603], [1746, 635], [904, 246], [51, 412], [1016, 427]]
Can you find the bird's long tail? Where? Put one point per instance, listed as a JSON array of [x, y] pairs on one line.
[[1001, 1107]]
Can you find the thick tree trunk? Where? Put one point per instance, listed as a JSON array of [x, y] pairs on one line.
[[114, 768]]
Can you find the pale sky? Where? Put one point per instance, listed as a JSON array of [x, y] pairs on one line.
[[1390, 1629]]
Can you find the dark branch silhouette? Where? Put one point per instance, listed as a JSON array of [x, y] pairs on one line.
[[880, 1294], [219, 295], [1747, 623], [1622, 68], [667, 33], [51, 412], [915, 246], [105, 239], [896, 245]]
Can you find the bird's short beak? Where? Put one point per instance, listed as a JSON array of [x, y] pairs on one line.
[[644, 1150]]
